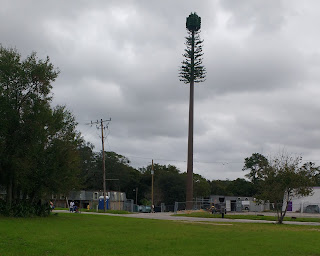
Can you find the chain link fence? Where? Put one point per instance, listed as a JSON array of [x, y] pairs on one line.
[[248, 206], [128, 205], [196, 205], [227, 206]]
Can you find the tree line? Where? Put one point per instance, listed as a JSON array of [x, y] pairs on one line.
[[169, 181], [42, 153]]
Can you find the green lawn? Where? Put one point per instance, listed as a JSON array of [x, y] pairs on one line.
[[248, 217], [81, 234]]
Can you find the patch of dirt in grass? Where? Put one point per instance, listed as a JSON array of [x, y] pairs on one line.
[[204, 222]]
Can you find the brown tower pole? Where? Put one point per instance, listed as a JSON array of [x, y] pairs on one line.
[[189, 195]]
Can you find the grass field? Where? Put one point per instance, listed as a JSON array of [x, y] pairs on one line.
[[81, 234], [248, 217]]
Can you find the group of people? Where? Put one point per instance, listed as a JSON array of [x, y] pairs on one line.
[[73, 207]]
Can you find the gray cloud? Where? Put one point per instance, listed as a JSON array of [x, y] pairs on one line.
[[261, 16], [120, 59]]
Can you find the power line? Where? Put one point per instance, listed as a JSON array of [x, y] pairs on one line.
[[201, 162], [184, 161], [108, 140]]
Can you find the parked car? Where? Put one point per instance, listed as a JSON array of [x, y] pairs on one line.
[[246, 205], [144, 208], [312, 208]]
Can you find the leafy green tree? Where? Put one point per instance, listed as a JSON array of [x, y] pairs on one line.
[[118, 167], [38, 143], [283, 178], [125, 177], [255, 163], [241, 187], [24, 89], [219, 187], [172, 184], [87, 163], [201, 186], [238, 187], [51, 164], [169, 184]]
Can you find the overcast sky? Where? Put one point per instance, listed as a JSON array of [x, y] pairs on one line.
[[120, 60]]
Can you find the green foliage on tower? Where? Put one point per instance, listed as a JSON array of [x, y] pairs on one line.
[[192, 69], [193, 22]]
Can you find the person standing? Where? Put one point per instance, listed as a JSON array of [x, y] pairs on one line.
[[71, 206], [213, 209], [51, 206]]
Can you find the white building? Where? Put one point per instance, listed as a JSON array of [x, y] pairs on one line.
[[241, 203], [308, 204]]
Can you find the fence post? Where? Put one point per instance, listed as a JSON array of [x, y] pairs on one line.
[[163, 207], [176, 207]]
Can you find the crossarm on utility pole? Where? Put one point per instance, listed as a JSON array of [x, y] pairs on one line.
[[103, 158]]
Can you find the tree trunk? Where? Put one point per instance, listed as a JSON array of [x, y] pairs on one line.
[[9, 192], [32, 197], [283, 213]]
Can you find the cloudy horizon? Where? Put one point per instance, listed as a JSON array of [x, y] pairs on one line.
[[121, 59]]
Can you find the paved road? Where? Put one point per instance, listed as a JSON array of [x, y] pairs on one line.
[[168, 216]]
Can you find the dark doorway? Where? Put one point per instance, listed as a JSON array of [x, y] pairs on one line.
[[233, 205]]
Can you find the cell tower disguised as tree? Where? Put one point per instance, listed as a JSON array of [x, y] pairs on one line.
[[192, 72]]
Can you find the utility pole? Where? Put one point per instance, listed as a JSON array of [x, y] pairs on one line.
[[103, 157], [136, 195], [136, 190], [152, 173]]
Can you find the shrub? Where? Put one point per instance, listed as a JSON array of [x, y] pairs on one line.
[[24, 209]]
